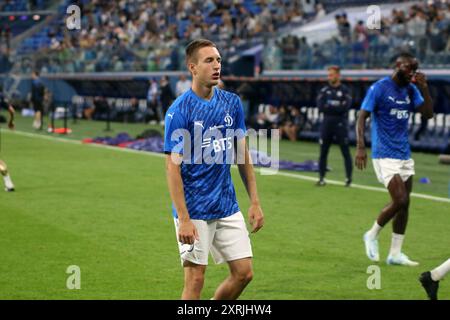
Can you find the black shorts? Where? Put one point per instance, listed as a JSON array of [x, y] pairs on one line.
[[38, 106]]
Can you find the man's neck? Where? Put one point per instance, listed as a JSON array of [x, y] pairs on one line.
[[202, 91], [399, 82], [335, 84]]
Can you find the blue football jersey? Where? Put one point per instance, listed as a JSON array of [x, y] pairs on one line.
[[390, 106], [204, 132]]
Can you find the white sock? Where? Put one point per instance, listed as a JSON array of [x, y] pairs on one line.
[[396, 244], [375, 231], [440, 272], [8, 182]]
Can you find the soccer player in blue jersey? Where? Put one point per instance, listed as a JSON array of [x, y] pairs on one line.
[[4, 104], [389, 102], [202, 125]]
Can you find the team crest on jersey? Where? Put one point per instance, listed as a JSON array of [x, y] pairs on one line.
[[228, 120]]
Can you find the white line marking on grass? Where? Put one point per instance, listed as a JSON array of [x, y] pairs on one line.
[[280, 173], [357, 186], [41, 136]]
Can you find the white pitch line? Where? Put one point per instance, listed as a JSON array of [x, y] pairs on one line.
[[356, 186], [104, 146], [274, 172]]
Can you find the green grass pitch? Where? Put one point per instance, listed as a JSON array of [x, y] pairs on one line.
[[108, 212]]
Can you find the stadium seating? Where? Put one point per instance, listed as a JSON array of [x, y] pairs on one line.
[[114, 45]]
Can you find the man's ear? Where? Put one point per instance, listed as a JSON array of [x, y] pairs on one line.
[[191, 68]]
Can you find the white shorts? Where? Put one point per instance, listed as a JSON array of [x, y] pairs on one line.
[[386, 168], [226, 238]]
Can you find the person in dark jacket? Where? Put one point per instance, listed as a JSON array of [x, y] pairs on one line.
[[37, 98], [167, 96], [334, 101]]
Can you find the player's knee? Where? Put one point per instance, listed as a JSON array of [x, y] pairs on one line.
[[405, 202], [402, 201], [249, 277], [195, 282], [244, 276]]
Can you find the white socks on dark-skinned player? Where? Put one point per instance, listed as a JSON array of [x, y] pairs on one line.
[[396, 244], [374, 231], [397, 239], [440, 272], [396, 256]]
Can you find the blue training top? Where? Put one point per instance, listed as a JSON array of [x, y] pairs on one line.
[[390, 106], [204, 132]]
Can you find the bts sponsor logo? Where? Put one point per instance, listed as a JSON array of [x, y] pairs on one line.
[[400, 114], [212, 147], [218, 144]]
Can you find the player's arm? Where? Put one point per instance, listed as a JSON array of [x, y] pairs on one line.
[[187, 233], [367, 107], [320, 100], [347, 101], [426, 109], [11, 112], [245, 166], [340, 108], [361, 154]]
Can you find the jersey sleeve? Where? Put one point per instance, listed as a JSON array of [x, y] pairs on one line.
[[370, 99], [175, 130], [417, 98], [240, 120], [347, 98]]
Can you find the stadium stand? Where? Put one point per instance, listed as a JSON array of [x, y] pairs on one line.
[[420, 28], [257, 38], [145, 36]]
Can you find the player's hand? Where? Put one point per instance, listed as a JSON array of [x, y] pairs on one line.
[[420, 80], [187, 232], [255, 217], [361, 158]]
